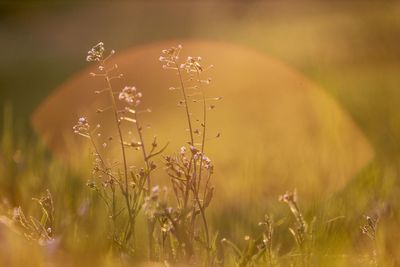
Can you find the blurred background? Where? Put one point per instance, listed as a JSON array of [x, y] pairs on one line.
[[348, 49]]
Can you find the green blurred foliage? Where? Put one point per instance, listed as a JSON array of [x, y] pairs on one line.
[[27, 170]]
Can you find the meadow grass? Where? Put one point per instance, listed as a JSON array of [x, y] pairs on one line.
[[95, 211]]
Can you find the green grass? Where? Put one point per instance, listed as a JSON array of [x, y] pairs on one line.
[[27, 170]]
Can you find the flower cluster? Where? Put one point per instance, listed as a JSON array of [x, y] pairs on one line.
[[34, 229], [180, 165], [192, 65], [96, 53], [289, 197], [82, 127], [207, 163], [370, 228], [130, 95], [200, 157], [302, 232], [170, 56]]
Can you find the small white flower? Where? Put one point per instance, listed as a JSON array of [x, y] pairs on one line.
[[96, 53], [130, 95], [183, 150]]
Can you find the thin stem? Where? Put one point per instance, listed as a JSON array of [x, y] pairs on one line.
[[202, 211], [96, 150], [269, 249], [112, 178], [203, 216], [204, 129], [126, 190], [186, 103], [190, 127], [150, 225], [189, 179], [145, 158], [113, 210]]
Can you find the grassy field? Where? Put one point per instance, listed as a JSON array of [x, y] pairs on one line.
[[336, 141]]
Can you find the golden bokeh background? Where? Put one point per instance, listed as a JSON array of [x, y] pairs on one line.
[[278, 129]]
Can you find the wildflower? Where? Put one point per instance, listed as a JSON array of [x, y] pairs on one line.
[[183, 151], [130, 95], [96, 53], [370, 228], [206, 160], [289, 197], [155, 190], [193, 149], [170, 56], [207, 164], [192, 64], [82, 127], [197, 155]]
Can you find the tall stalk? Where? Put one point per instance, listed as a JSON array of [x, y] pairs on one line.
[[121, 140]]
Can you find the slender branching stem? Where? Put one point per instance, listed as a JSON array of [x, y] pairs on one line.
[[186, 103], [189, 121], [202, 211], [148, 181], [203, 216], [143, 147], [117, 122], [204, 124], [105, 170]]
